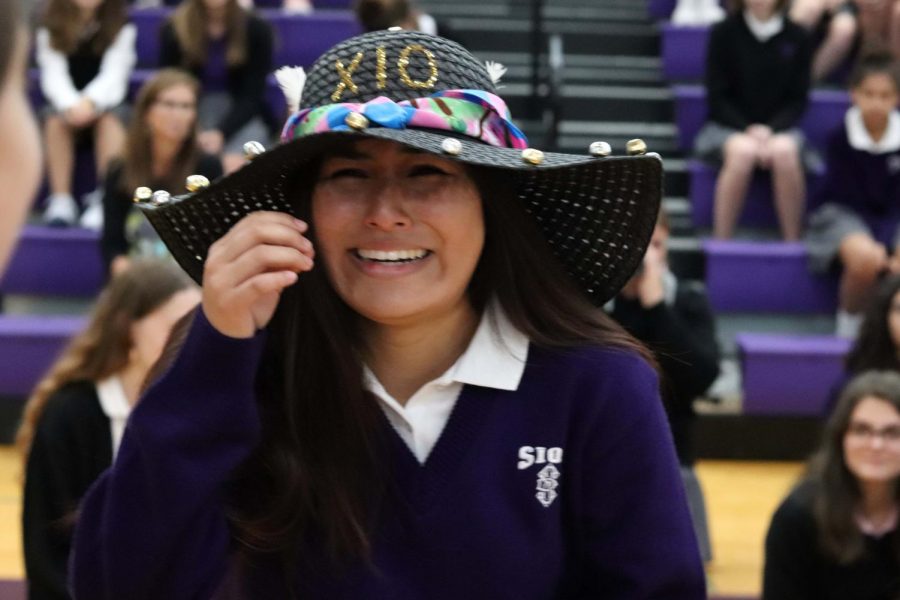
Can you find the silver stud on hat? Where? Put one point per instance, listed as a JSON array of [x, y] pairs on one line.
[[160, 197], [196, 182], [142, 194], [600, 149], [253, 149], [356, 120], [532, 156], [636, 147], [451, 146]]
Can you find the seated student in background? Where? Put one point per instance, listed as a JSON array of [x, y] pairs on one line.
[[835, 22], [757, 83], [85, 53], [857, 224], [74, 419], [675, 320], [161, 152], [835, 536], [229, 50], [19, 160]]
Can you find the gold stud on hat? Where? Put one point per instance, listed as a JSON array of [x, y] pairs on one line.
[[532, 156], [142, 194], [635, 147], [356, 121], [253, 149], [600, 149], [196, 182], [160, 197], [451, 146]]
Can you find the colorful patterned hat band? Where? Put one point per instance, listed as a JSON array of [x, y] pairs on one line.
[[474, 113]]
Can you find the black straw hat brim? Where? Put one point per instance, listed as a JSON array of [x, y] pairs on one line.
[[597, 214]]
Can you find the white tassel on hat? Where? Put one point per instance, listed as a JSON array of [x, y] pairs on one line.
[[495, 71], [291, 80]]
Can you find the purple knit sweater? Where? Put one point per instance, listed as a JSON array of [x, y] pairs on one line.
[[565, 488]]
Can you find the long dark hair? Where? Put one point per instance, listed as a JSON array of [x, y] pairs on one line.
[[64, 24], [319, 469], [874, 347], [836, 493]]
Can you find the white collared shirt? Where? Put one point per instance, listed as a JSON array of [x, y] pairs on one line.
[[764, 30], [859, 138], [115, 405], [495, 358]]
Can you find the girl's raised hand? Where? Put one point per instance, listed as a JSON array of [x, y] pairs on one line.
[[247, 269]]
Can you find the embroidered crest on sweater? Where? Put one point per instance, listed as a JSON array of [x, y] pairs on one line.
[[548, 476]]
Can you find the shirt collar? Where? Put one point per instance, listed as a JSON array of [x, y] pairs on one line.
[[495, 357], [764, 30], [859, 138], [112, 398]]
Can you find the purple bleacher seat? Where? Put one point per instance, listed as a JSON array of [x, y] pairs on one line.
[[148, 22], [28, 346], [766, 277], [333, 4], [826, 109], [758, 209], [661, 9], [684, 51], [55, 262], [12, 589], [301, 39], [789, 374]]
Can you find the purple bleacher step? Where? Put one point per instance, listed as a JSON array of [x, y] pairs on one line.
[[28, 346], [52, 261], [825, 112], [765, 277], [684, 51], [661, 9], [789, 374], [759, 208]]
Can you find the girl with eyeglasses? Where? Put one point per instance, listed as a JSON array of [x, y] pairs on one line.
[[161, 152], [835, 536]]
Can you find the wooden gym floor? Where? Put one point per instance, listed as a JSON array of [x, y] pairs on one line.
[[740, 496]]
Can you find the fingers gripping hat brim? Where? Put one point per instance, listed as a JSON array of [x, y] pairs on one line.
[[597, 214]]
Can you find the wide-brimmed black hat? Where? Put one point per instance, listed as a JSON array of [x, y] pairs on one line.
[[597, 211]]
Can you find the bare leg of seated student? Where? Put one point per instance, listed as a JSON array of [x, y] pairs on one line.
[[863, 260], [739, 159], [59, 144], [788, 183]]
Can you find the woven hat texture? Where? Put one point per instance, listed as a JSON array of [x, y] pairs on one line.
[[597, 214]]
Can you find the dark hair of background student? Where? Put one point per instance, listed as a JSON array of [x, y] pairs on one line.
[[63, 22], [875, 347]]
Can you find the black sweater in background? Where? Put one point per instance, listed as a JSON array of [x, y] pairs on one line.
[[246, 83], [751, 82]]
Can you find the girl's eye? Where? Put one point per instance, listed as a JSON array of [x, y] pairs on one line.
[[348, 173], [424, 170]]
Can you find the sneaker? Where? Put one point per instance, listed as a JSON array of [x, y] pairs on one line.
[[92, 217], [61, 211]]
